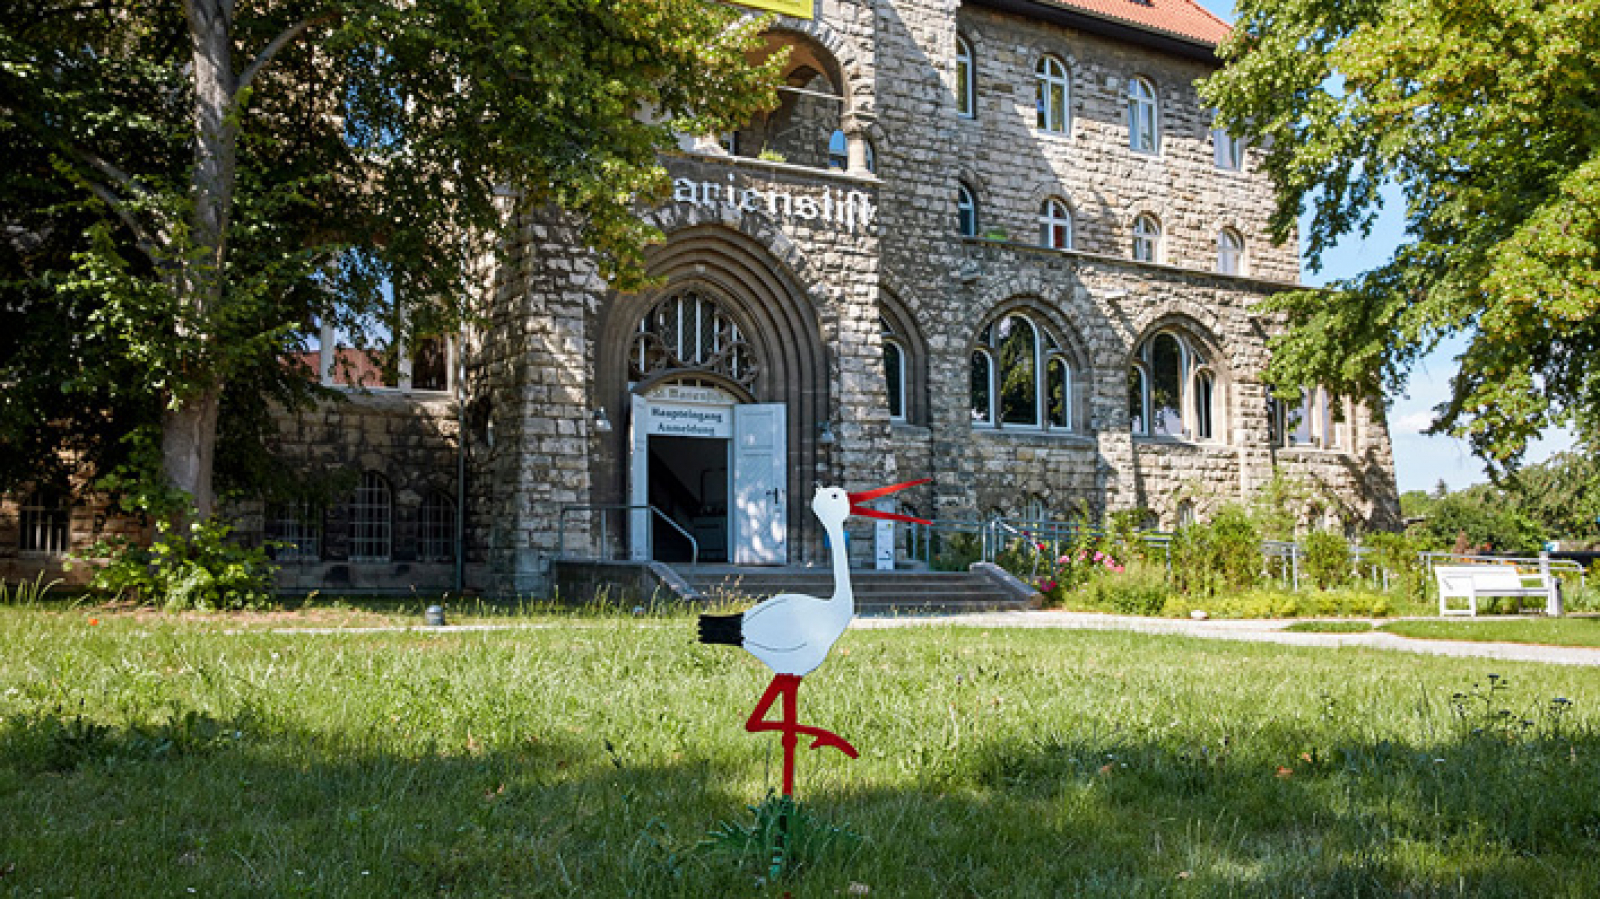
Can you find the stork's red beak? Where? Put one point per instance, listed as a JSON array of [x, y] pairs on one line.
[[869, 495]]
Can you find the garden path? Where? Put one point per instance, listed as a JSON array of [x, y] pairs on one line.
[[1250, 630]]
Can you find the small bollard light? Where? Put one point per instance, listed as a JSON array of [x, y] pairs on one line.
[[434, 616]]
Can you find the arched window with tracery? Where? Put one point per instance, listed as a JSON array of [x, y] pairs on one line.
[[1172, 390], [1021, 376], [689, 331]]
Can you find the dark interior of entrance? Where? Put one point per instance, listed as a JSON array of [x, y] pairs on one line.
[[689, 483]]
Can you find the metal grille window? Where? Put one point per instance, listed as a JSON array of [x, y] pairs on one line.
[[45, 519], [436, 528], [371, 529], [295, 530]]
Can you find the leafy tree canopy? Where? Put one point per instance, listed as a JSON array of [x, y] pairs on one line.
[[191, 190], [1486, 114]]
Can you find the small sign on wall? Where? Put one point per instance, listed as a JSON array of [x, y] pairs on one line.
[[883, 545], [687, 420]]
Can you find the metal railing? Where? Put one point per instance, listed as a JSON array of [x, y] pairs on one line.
[[606, 532]]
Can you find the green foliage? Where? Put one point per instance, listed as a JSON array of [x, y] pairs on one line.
[[1327, 559], [1484, 116], [783, 839], [1480, 518], [1221, 554], [200, 194], [1272, 603], [1141, 588], [956, 552], [204, 569], [1397, 554], [26, 593]]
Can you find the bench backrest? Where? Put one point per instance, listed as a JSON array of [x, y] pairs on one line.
[[1482, 577]]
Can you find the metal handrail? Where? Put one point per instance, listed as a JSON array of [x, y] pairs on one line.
[[605, 511]]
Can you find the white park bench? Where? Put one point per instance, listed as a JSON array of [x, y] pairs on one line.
[[1472, 582]]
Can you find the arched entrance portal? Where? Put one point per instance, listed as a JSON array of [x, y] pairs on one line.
[[724, 386]]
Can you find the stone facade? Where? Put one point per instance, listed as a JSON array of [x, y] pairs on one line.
[[815, 263]]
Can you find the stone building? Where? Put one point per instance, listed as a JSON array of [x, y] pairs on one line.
[[994, 243]]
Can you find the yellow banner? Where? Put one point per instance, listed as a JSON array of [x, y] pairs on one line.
[[800, 9]]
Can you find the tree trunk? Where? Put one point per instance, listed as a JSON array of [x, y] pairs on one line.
[[188, 442], [189, 426]]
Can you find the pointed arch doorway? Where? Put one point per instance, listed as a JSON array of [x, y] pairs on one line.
[[732, 343]]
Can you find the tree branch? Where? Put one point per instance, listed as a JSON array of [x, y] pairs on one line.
[[276, 44], [148, 244]]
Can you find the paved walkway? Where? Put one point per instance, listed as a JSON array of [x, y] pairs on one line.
[[1250, 630]]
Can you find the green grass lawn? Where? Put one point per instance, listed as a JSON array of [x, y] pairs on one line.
[[1552, 631], [146, 756]]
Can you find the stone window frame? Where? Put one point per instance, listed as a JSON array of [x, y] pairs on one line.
[[44, 519], [1055, 216], [897, 325], [1045, 83], [1147, 232], [436, 527], [966, 79], [968, 218], [1144, 116], [1048, 348], [1231, 258], [372, 519], [296, 529], [1321, 421], [1198, 381]]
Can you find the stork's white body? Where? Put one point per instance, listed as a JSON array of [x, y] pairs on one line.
[[792, 632]]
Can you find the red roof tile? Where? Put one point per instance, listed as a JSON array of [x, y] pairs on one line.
[[1180, 17]]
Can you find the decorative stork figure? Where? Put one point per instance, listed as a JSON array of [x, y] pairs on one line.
[[792, 632]]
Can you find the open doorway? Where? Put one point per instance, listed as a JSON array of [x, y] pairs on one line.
[[689, 483]]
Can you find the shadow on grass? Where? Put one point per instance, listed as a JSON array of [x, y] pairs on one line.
[[242, 807]]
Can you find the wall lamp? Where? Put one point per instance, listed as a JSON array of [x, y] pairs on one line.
[[602, 424]]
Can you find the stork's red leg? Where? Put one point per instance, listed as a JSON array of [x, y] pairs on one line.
[[788, 686]]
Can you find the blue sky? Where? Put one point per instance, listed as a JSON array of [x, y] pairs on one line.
[[1420, 461]]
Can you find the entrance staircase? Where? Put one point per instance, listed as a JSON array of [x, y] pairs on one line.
[[877, 593]]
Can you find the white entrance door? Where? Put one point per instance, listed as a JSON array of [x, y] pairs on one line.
[[639, 480], [760, 508]]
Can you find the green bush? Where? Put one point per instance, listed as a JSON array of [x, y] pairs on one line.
[[1224, 553], [1327, 559], [205, 570], [1397, 555], [1141, 588], [1282, 604], [955, 552]]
